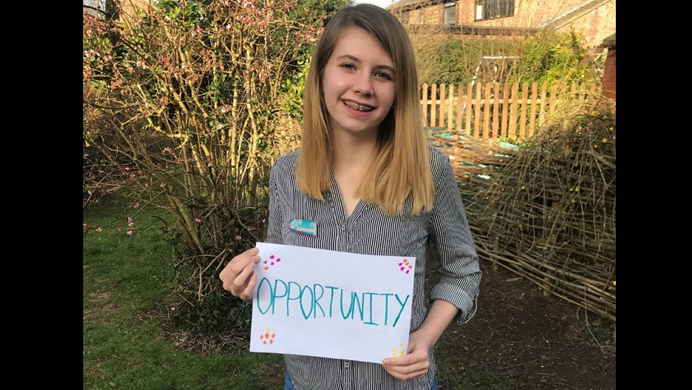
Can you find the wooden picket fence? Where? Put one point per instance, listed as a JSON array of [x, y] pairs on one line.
[[502, 110]]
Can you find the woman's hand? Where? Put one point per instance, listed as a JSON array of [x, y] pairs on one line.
[[412, 365], [238, 277]]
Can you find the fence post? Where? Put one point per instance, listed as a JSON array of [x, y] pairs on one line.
[[450, 108], [532, 111], [469, 103], [441, 121], [522, 117], [496, 110], [433, 104], [505, 110], [477, 112], [513, 111], [541, 110], [460, 108], [424, 104]]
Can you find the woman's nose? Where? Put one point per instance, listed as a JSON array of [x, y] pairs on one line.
[[363, 84]]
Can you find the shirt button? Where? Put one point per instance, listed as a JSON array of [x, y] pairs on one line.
[[345, 364], [343, 227]]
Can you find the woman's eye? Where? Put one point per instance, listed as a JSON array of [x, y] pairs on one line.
[[347, 66], [383, 75]]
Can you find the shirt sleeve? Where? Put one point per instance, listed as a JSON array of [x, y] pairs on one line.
[[460, 273]]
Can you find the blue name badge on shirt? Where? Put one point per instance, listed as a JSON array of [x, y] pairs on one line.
[[304, 226]]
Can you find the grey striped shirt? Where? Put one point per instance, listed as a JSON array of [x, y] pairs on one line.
[[370, 231]]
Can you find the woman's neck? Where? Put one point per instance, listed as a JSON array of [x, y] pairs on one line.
[[352, 152], [349, 164]]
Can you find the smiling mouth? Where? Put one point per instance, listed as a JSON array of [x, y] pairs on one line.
[[358, 107]]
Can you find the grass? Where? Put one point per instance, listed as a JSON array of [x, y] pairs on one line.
[[127, 281]]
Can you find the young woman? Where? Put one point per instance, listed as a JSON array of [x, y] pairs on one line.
[[365, 173]]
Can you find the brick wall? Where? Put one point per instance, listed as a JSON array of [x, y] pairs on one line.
[[609, 75], [597, 24]]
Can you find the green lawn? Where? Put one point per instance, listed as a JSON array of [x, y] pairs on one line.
[[127, 280]]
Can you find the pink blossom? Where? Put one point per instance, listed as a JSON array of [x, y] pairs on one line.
[[99, 230], [198, 220], [129, 232]]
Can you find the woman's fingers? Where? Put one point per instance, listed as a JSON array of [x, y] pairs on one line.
[[246, 294], [244, 283], [237, 276]]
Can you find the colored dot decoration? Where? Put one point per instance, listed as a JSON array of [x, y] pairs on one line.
[[399, 351], [267, 337], [405, 266], [268, 263]]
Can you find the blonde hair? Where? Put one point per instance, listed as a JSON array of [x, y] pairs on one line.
[[400, 167]]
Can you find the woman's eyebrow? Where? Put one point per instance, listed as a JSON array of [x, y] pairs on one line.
[[355, 59], [348, 57]]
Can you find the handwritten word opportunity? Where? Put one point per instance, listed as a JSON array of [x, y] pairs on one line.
[[371, 308]]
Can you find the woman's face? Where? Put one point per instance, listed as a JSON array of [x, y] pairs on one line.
[[358, 84]]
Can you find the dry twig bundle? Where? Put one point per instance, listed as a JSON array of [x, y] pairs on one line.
[[547, 211]]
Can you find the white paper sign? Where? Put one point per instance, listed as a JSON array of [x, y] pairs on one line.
[[331, 304]]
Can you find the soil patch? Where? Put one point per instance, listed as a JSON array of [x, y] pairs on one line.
[[518, 334]]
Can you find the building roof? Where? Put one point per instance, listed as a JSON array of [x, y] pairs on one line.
[[609, 42], [407, 5], [570, 15]]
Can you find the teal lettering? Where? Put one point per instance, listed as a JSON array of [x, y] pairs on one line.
[[400, 310], [271, 295], [312, 299], [386, 307], [331, 299], [289, 298], [370, 308], [371, 322], [316, 300], [350, 310]]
